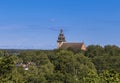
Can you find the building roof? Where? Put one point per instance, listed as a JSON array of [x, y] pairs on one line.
[[67, 45]]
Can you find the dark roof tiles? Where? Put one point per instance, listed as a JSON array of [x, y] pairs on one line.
[[66, 45]]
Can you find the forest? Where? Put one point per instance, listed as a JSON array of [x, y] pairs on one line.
[[96, 65]]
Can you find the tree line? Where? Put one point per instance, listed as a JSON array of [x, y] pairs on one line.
[[96, 65]]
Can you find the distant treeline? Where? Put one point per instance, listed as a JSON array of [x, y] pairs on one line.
[[96, 65]]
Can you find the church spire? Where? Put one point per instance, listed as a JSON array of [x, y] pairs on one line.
[[61, 38]]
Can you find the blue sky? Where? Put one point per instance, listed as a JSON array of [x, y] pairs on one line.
[[35, 24]]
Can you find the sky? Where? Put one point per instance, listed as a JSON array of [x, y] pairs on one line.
[[35, 24]]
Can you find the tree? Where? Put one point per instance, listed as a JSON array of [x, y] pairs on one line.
[[112, 50], [8, 71], [94, 50], [75, 67], [85, 69], [110, 76]]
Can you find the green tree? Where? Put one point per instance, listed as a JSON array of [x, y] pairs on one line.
[[94, 50], [110, 76], [112, 50], [74, 67], [8, 71]]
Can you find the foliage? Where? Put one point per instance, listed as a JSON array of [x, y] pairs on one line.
[[110, 76], [96, 65]]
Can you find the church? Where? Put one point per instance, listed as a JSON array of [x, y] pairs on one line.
[[61, 43]]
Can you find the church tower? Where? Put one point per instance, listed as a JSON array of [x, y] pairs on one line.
[[61, 38]]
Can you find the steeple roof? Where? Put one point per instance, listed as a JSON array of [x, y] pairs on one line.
[[61, 37]]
